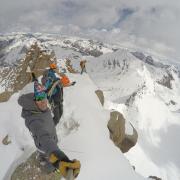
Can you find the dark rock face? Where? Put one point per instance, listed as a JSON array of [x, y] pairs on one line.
[[5, 43], [155, 177], [94, 52], [172, 102], [131, 98], [86, 51], [2, 59], [23, 50], [139, 55], [115, 63], [142, 57], [166, 80], [93, 48], [67, 41], [149, 60]]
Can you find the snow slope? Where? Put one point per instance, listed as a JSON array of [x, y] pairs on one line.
[[82, 133], [132, 87]]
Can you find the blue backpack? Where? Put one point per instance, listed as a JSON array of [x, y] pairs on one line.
[[48, 80]]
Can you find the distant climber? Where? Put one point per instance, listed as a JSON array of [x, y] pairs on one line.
[[39, 121], [54, 83], [83, 66]]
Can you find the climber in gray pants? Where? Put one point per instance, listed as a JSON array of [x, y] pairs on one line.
[[39, 121]]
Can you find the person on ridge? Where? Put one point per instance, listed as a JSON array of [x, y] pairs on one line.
[[54, 83], [83, 66], [39, 121]]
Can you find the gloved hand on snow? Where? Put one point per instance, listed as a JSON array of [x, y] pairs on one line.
[[73, 83], [65, 166], [63, 163]]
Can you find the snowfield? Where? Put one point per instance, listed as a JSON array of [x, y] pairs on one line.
[[82, 134]]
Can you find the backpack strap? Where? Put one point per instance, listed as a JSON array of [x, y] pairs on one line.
[[50, 91]]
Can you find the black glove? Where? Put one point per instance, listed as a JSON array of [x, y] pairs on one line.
[[73, 83], [33, 77]]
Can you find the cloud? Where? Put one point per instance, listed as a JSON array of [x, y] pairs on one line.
[[156, 21]]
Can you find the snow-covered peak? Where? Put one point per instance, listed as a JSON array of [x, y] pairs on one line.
[[143, 87], [13, 46], [147, 92]]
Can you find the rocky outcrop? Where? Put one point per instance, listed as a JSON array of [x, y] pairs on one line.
[[70, 67], [154, 177], [149, 60], [3, 44], [166, 80], [5, 96], [14, 79], [32, 170], [142, 57], [116, 126], [100, 95], [94, 48], [117, 130], [6, 140], [139, 55]]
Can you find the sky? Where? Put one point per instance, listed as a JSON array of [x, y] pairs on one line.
[[149, 23]]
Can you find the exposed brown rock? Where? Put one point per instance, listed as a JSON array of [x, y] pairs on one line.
[[116, 126], [6, 140], [129, 141], [100, 95], [32, 170], [17, 77], [5, 96], [70, 67]]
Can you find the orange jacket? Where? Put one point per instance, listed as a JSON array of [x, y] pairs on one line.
[[65, 80]]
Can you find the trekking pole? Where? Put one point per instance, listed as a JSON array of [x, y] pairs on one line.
[[70, 175], [80, 152]]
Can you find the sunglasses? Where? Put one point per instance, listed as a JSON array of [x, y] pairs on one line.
[[40, 98]]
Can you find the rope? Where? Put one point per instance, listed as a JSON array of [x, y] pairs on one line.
[[72, 151]]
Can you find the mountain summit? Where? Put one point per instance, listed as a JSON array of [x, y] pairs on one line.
[[143, 88]]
